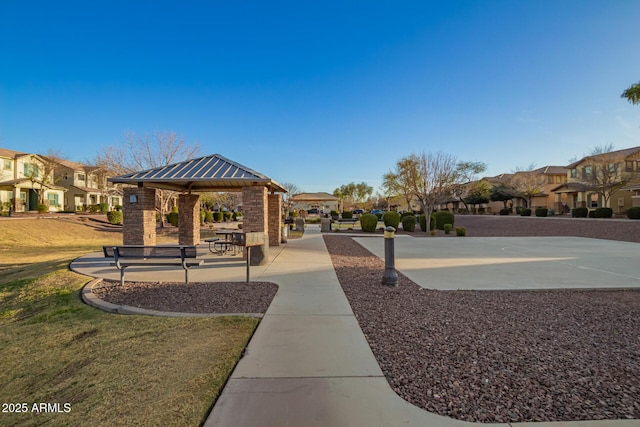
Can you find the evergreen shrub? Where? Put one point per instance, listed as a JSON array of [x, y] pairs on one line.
[[392, 219], [443, 217], [505, 211], [368, 222], [172, 216], [580, 212], [603, 212], [208, 216], [633, 213], [409, 223], [218, 216], [461, 231], [447, 228], [114, 217], [525, 212], [347, 215], [542, 212]]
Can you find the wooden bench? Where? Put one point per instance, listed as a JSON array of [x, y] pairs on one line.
[[137, 255]]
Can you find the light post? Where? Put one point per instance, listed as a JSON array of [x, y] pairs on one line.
[[390, 277]]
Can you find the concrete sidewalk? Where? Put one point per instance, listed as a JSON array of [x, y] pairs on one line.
[[308, 363]]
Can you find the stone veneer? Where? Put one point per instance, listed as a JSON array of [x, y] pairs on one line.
[[254, 211], [275, 219], [139, 218], [188, 219]]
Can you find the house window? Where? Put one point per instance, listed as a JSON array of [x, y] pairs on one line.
[[53, 199], [587, 172], [574, 173], [81, 177], [613, 167], [31, 170], [7, 164], [628, 165], [550, 179]]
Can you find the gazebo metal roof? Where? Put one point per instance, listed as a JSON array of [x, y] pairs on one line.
[[209, 173]]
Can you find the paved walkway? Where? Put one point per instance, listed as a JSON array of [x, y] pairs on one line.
[[308, 363]]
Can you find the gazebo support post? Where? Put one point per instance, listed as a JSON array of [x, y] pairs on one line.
[[188, 219], [139, 216], [255, 210], [275, 219]]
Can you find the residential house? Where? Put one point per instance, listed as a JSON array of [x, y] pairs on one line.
[[602, 180], [536, 188], [322, 201], [27, 180], [86, 186]]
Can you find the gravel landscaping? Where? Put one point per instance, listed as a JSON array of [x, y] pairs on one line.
[[501, 356], [216, 297]]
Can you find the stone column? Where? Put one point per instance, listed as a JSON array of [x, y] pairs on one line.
[[139, 216], [188, 219], [275, 219], [557, 205], [255, 208]]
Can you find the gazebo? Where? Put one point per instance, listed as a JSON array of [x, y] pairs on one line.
[[260, 195]]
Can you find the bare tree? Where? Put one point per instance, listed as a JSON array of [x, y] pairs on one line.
[[429, 178], [137, 153], [287, 202], [528, 184], [467, 172], [604, 172]]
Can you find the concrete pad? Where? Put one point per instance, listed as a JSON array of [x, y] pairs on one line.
[[513, 262], [307, 346], [320, 402]]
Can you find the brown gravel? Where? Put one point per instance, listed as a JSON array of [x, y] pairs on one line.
[[502, 356], [218, 297]]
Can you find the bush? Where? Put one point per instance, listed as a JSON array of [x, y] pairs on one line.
[[461, 231], [603, 212], [172, 217], [505, 211], [334, 213], [218, 216], [103, 207], [448, 228], [227, 215], [422, 219], [633, 213], [541, 212], [392, 219], [114, 217], [441, 218], [580, 212], [347, 215], [368, 222], [409, 223], [42, 208], [237, 216], [525, 212], [208, 216]]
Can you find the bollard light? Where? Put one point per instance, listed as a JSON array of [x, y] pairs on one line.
[[390, 277]]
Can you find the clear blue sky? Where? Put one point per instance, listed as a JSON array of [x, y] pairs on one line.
[[324, 93]]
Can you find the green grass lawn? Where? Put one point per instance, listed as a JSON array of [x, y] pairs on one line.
[[110, 369]]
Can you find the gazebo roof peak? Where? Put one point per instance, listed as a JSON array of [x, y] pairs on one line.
[[208, 173]]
